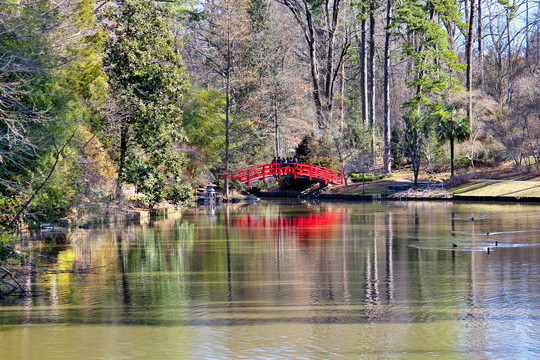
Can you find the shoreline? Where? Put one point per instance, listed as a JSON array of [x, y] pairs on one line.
[[463, 198], [400, 196]]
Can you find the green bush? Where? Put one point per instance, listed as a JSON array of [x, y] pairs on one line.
[[7, 248], [317, 151], [180, 194], [489, 155], [357, 177]]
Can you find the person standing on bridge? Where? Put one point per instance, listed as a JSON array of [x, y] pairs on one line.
[[273, 167], [295, 162], [292, 164]]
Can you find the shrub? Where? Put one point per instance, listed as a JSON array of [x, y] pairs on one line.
[[316, 151], [357, 177], [7, 248]]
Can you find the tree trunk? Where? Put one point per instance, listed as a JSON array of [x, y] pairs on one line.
[[332, 21], [227, 131], [364, 73], [451, 157], [315, 83], [416, 156], [276, 127], [387, 155], [470, 37], [342, 97], [526, 32], [480, 45], [509, 39], [123, 150], [372, 76]]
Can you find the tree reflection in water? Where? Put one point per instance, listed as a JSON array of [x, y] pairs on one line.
[[326, 257], [350, 279]]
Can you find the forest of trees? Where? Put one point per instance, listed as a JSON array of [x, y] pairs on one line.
[[160, 97]]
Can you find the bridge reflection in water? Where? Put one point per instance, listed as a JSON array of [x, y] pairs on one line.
[[288, 279], [303, 227], [317, 250]]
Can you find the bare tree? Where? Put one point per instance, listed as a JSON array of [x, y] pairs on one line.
[[279, 103], [221, 41], [319, 24], [480, 45], [470, 37], [371, 72], [362, 44], [25, 58], [387, 153]]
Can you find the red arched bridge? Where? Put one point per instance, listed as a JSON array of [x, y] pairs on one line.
[[294, 170]]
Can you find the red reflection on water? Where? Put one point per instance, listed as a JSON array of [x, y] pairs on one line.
[[311, 226]]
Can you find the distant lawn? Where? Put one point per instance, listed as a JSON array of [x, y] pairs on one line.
[[376, 187], [371, 189], [517, 187], [505, 185]]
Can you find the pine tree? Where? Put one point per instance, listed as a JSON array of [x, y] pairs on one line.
[[425, 46]]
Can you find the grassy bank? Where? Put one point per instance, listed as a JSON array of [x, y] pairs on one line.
[[500, 183], [517, 186]]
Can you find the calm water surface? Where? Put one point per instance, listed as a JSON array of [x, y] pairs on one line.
[[280, 280]]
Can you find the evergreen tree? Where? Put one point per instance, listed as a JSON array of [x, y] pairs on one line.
[[202, 119], [425, 46], [147, 81]]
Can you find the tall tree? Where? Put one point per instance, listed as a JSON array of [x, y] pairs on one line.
[[222, 41], [362, 45], [480, 45], [371, 74], [280, 97], [425, 44], [387, 153], [147, 79], [469, 50], [319, 21]]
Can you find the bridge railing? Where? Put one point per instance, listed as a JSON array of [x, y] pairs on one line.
[[295, 170]]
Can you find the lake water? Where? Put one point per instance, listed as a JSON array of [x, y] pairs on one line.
[[288, 280]]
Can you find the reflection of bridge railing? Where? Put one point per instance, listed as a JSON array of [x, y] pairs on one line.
[[294, 170], [303, 227]]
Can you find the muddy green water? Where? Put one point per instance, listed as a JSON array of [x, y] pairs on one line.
[[289, 280]]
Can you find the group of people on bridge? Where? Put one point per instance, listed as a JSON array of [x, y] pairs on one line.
[[285, 160]]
